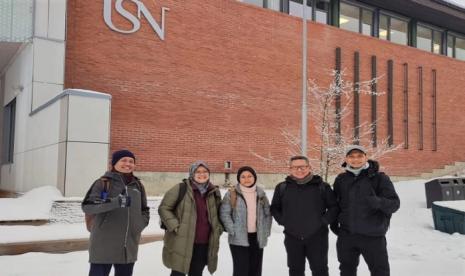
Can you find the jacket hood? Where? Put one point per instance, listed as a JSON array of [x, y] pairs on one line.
[[372, 169], [116, 175]]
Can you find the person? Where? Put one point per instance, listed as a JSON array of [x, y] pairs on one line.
[[245, 213], [193, 227], [304, 204], [119, 203], [367, 199]]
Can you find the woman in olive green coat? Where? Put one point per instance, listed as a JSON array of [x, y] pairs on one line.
[[193, 227]]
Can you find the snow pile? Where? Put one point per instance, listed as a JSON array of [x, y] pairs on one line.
[[34, 205], [456, 205]]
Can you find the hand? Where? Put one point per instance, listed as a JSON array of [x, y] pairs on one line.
[[124, 201], [374, 202]]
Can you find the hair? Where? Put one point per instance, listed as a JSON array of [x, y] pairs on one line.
[[299, 157]]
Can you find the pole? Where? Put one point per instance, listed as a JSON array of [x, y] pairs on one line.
[[304, 79]]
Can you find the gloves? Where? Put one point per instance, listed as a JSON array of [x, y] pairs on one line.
[[124, 201], [374, 202]]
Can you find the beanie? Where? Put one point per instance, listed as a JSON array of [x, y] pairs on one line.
[[117, 155], [249, 169]]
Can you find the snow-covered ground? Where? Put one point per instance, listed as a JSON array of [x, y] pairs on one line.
[[415, 248]]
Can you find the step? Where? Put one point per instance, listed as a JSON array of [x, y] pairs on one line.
[[59, 246]]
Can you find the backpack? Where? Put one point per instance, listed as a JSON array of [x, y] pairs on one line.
[[106, 185], [181, 194]]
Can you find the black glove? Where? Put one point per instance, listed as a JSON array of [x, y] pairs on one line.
[[124, 201]]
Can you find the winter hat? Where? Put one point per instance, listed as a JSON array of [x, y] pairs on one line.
[[194, 166], [117, 155], [350, 148], [249, 169]]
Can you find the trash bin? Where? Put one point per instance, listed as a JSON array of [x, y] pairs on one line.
[[444, 189], [449, 216]]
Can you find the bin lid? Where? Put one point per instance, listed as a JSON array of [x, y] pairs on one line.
[[455, 204]]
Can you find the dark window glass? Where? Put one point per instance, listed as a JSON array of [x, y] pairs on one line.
[[460, 48], [398, 31], [321, 11], [424, 38], [273, 5], [295, 8], [367, 22], [349, 17], [437, 42], [383, 27], [450, 46], [9, 132], [258, 3]]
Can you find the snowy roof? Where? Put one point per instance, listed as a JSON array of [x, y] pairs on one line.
[[456, 205], [457, 3]]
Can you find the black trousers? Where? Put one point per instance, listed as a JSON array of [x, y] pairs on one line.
[[198, 262], [104, 269], [373, 249], [313, 248], [247, 260]]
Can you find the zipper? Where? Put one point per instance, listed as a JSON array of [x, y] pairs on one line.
[[127, 225]]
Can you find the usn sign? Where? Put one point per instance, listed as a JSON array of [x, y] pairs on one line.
[[135, 20]]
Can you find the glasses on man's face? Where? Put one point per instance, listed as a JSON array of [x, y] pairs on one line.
[[299, 168]]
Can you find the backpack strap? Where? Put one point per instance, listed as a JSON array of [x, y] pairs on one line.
[[233, 195], [181, 193]]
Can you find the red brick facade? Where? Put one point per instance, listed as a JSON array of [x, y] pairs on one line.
[[227, 77]]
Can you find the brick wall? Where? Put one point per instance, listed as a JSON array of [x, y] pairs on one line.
[[227, 78]]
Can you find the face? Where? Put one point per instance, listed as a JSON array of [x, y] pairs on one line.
[[246, 179], [356, 159], [201, 175], [125, 165], [299, 168]]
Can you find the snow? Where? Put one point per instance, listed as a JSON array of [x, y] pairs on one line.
[[415, 248], [34, 205], [457, 205], [458, 3]]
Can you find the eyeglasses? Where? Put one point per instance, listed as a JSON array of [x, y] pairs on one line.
[[299, 168], [201, 172]]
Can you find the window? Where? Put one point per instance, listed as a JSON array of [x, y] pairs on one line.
[[258, 3], [429, 39], [456, 46], [355, 19], [273, 4], [316, 10], [9, 132], [393, 29]]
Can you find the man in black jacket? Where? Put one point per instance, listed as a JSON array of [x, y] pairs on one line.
[[304, 205], [367, 199]]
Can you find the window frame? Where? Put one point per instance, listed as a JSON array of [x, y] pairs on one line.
[[391, 15], [360, 7], [433, 29]]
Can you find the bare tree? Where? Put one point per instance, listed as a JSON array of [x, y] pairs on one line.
[[328, 108]]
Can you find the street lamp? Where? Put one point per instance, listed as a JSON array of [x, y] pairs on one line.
[[304, 79]]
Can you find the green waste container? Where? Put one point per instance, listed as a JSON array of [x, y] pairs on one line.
[[449, 216]]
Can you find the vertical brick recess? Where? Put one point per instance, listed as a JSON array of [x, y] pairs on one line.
[[227, 78]]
